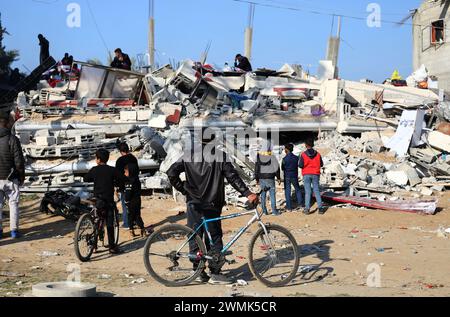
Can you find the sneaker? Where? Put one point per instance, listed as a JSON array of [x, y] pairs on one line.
[[219, 279], [276, 213], [203, 278], [322, 211], [15, 234], [307, 212]]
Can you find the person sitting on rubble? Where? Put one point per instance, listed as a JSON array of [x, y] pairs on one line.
[[204, 189], [267, 169], [126, 159], [311, 162], [132, 194], [12, 173], [290, 169], [242, 63], [105, 178], [121, 60]]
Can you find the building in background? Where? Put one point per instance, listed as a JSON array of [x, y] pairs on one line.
[[431, 40]]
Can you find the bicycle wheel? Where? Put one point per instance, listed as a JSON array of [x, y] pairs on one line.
[[85, 238], [116, 227], [167, 257], [274, 257]]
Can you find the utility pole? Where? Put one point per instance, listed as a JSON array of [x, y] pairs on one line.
[[249, 31], [334, 43], [151, 34]]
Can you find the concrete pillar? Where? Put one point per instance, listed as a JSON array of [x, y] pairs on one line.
[[248, 42]]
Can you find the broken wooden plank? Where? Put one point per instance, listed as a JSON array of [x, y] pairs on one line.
[[413, 206]]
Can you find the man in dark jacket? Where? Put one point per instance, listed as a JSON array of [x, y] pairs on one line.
[[204, 189], [12, 174], [121, 60], [45, 48], [311, 162], [267, 169], [290, 168], [243, 63]]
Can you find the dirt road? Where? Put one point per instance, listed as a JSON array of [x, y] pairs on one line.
[[341, 245]]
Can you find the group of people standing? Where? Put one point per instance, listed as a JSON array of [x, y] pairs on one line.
[[268, 170], [125, 177]]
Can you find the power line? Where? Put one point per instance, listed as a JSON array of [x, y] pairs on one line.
[[318, 12], [97, 27]]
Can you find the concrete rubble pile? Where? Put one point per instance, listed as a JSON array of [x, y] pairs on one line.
[[381, 139]]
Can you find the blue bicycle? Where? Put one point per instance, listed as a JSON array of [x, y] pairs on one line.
[[175, 255]]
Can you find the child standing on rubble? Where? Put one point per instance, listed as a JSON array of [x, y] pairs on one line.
[[311, 162], [133, 201]]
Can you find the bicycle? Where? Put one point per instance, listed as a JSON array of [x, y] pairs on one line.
[[272, 245], [90, 230]]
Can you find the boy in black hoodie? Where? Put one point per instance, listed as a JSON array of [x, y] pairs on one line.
[[311, 162], [133, 199]]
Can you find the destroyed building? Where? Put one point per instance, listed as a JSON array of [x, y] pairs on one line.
[[382, 143]]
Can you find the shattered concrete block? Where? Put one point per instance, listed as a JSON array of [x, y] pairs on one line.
[[42, 133], [362, 173], [128, 115], [143, 115], [413, 177], [45, 140], [439, 141], [399, 178], [249, 105], [374, 146], [157, 121], [438, 188], [376, 180], [426, 192], [429, 180], [373, 172]]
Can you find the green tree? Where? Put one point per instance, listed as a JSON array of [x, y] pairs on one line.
[[6, 57]]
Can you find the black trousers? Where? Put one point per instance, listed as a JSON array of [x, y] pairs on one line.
[[195, 212], [134, 213], [109, 219]]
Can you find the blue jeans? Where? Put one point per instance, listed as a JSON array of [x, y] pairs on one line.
[[314, 181], [124, 211], [288, 182], [268, 184]]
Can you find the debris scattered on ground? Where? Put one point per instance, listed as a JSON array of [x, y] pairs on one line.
[[104, 276], [11, 274], [139, 281], [48, 254]]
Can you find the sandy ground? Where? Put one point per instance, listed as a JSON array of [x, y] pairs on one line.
[[342, 244]]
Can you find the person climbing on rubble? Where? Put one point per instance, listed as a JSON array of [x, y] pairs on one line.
[[311, 162], [242, 63], [12, 174], [267, 169], [126, 159], [121, 60], [204, 189], [45, 49], [290, 169], [132, 195], [105, 178]]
